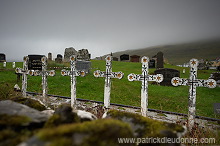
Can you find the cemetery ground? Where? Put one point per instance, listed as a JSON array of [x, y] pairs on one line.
[[167, 98]]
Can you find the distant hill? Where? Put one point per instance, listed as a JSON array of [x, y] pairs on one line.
[[180, 53]]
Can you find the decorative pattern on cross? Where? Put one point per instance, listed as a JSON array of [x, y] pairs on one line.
[[193, 82], [144, 78], [24, 73], [44, 73], [73, 73], [108, 74]]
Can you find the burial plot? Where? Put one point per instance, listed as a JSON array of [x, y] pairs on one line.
[[124, 57], [108, 74], [193, 82], [144, 78], [160, 60], [2, 57], [168, 74], [34, 62], [73, 73]]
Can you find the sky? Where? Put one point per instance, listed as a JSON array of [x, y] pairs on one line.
[[102, 26]]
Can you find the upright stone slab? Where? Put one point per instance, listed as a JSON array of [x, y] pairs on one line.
[[49, 56], [144, 78], [160, 60], [44, 73], [108, 74], [24, 73], [193, 82], [68, 53], [73, 73], [2, 57]]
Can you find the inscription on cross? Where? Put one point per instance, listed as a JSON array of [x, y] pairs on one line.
[[44, 73], [73, 73], [144, 78], [24, 73], [108, 74], [193, 82]]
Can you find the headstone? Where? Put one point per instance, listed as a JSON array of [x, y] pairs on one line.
[[144, 78], [83, 65], [115, 58], [108, 74], [44, 73], [193, 82], [160, 60], [49, 56], [69, 52], [2, 57], [83, 54], [124, 57], [217, 108], [215, 76], [59, 58], [152, 63], [34, 62], [13, 64], [168, 74], [73, 73], [135, 58], [4, 64]]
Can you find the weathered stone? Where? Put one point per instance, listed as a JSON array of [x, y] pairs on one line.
[[85, 116], [83, 54], [69, 52], [49, 56], [59, 58], [2, 57]]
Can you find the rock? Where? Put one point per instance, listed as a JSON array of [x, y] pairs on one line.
[[17, 88], [9, 107], [146, 127], [97, 132], [85, 116], [49, 113]]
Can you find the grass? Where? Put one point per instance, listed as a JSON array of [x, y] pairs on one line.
[[167, 98]]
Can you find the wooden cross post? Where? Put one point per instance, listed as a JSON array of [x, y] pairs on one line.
[[44, 73], [193, 82], [144, 78], [24, 73], [73, 73], [108, 74]]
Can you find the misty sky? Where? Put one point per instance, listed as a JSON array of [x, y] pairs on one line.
[[102, 26]]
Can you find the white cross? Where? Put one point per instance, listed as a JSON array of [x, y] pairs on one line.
[[44, 73], [144, 78], [4, 64], [24, 73], [108, 74], [13, 64], [193, 82], [73, 73]]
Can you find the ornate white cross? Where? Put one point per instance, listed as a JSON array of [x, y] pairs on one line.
[[44, 73], [193, 82], [144, 78], [108, 74], [73, 73], [24, 73]]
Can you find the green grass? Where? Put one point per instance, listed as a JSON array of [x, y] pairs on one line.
[[173, 99]]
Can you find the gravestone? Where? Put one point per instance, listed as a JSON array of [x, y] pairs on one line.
[[124, 57], [217, 108], [152, 63], [215, 76], [34, 62], [135, 58], [168, 74], [193, 82], [2, 57], [115, 58], [13, 65], [144, 78], [160, 60], [4, 64], [59, 58], [108, 74], [83, 54], [83, 65], [69, 52], [49, 56]]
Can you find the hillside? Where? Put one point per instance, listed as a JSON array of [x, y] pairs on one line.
[[180, 53]]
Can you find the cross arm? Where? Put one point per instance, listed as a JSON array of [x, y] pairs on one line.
[[76, 73], [39, 73], [99, 73]]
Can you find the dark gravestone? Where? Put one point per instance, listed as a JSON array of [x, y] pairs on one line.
[[35, 62], [215, 76], [152, 63], [217, 108], [2, 57], [83, 65], [168, 74], [135, 58], [160, 60], [115, 58], [59, 58], [49, 56], [124, 57]]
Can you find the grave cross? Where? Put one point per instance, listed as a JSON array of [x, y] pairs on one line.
[[73, 73], [193, 82], [144, 78], [44, 73], [108, 74], [24, 73]]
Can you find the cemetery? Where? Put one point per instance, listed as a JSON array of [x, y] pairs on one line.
[[133, 87]]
